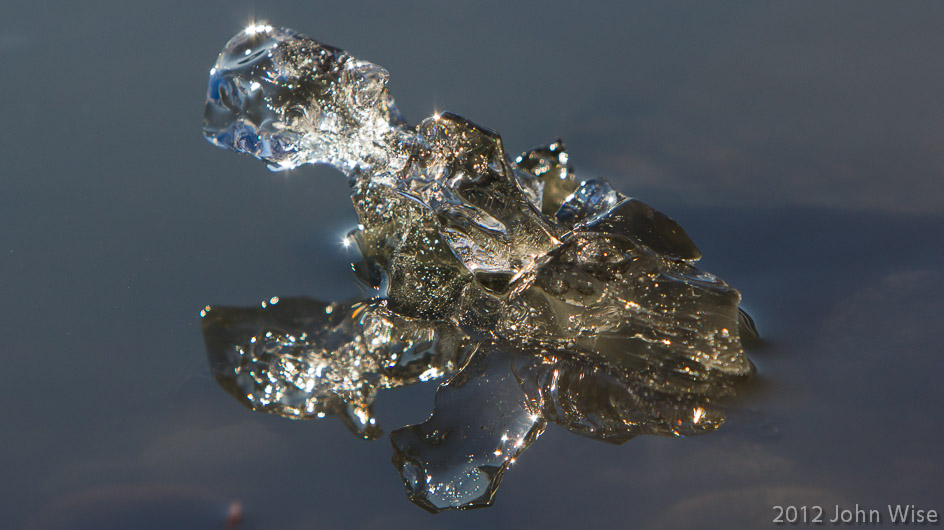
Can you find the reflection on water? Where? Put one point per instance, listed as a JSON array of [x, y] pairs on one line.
[[536, 297]]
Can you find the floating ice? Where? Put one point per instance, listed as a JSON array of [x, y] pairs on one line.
[[536, 297]]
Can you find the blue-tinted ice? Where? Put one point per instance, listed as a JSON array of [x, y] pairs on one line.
[[536, 297]]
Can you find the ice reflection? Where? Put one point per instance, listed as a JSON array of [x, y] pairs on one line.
[[536, 297]]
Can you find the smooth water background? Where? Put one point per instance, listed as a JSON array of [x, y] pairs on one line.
[[800, 143]]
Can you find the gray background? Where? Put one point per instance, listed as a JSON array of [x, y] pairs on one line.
[[799, 143]]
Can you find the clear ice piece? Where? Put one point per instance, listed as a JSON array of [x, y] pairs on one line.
[[289, 100], [546, 173], [592, 198], [483, 421], [536, 296], [301, 358], [648, 226]]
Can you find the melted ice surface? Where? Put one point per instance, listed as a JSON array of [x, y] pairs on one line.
[[536, 297]]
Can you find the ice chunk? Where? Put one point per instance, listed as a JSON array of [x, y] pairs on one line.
[[545, 173], [648, 226], [536, 297], [483, 421], [290, 100], [301, 358]]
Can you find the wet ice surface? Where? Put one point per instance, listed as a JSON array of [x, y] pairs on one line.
[[534, 296]]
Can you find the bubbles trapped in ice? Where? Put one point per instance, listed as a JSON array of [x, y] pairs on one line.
[[534, 296]]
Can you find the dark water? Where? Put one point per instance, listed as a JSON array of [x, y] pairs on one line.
[[799, 144]]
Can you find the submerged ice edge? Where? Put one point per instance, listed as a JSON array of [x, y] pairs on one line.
[[534, 296]]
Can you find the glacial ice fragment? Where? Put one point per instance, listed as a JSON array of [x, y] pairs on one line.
[[300, 358], [535, 297], [482, 422]]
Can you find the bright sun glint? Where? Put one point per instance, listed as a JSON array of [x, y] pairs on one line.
[[261, 27]]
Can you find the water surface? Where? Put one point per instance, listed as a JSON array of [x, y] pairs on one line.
[[798, 144]]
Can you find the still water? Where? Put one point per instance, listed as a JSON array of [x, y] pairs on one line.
[[798, 144]]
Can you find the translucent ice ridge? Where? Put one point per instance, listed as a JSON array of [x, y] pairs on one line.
[[536, 297]]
